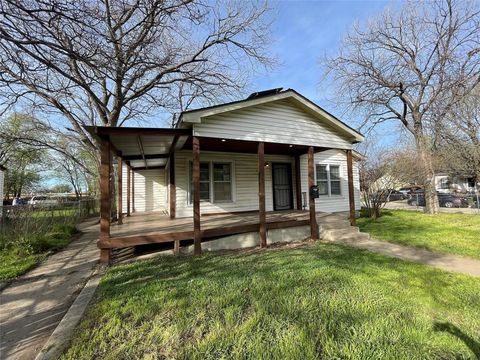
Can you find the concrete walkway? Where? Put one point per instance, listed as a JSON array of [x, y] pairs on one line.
[[453, 263], [32, 306]]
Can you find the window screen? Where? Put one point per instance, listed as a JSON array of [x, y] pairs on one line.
[[322, 179], [222, 182], [335, 188]]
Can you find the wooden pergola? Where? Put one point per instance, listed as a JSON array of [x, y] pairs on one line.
[[154, 148]]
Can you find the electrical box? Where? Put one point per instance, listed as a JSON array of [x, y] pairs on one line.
[[314, 192]]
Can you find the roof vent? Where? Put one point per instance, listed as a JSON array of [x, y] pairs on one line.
[[258, 94]]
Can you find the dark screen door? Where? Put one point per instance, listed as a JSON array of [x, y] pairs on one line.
[[282, 186]]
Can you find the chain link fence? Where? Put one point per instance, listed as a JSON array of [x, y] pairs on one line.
[[21, 225]]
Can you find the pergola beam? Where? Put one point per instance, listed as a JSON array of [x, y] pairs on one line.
[[142, 152], [261, 195], [148, 168], [197, 235], [311, 204], [351, 194], [105, 161], [129, 182], [136, 131], [120, 191], [146, 156]]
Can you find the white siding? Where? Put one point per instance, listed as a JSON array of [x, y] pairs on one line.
[[150, 190], [277, 122], [335, 203], [245, 182]]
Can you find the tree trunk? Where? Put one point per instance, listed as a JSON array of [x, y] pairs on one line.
[[427, 173]]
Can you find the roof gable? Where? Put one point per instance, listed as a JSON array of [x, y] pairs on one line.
[[196, 116]]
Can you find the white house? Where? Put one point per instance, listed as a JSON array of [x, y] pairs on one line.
[[273, 153], [446, 183]]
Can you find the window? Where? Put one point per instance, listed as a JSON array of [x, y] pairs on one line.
[[444, 183], [335, 180], [204, 181], [215, 178], [328, 179], [222, 182], [322, 179]]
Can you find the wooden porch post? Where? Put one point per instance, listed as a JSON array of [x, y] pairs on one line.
[[128, 189], [261, 195], [311, 203], [298, 182], [105, 160], [120, 190], [173, 189], [197, 236], [133, 190], [351, 194]]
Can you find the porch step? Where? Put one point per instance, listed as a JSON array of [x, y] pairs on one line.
[[343, 235], [336, 233], [340, 224]]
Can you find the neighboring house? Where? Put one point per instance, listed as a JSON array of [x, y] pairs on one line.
[[387, 181], [446, 183], [244, 157]]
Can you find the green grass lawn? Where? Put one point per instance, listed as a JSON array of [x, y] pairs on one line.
[[320, 301], [17, 257], [448, 233]]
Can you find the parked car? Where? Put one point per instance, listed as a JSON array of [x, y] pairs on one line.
[[444, 200], [389, 195], [43, 201], [409, 189], [19, 201]]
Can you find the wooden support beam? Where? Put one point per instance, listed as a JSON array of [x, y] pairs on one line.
[[105, 161], [133, 190], [261, 195], [142, 152], [172, 186], [137, 131], [351, 193], [129, 171], [145, 156], [298, 182], [148, 168], [311, 203], [176, 247], [120, 190], [197, 236]]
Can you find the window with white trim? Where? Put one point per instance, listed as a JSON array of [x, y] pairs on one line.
[[216, 181], [328, 179]]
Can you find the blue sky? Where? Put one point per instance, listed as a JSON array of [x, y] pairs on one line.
[[305, 31]]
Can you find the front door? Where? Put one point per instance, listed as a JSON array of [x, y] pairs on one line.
[[282, 186]]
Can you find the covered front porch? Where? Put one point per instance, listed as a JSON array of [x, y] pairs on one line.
[[157, 227], [149, 149]]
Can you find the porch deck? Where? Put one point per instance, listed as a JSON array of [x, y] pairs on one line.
[[157, 227]]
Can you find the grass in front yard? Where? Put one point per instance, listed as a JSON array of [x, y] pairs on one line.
[[17, 257], [448, 233], [319, 301]]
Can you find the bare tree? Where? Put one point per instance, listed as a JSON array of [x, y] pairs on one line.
[[106, 62], [376, 176], [459, 139], [412, 65]]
